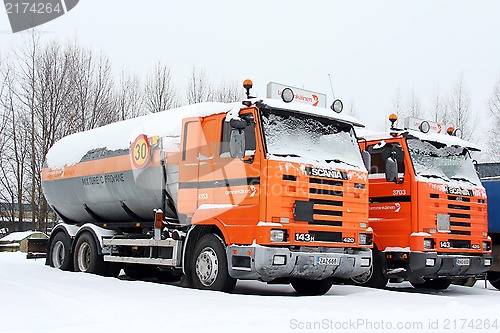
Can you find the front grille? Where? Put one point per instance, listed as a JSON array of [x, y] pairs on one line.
[[326, 192], [325, 181], [324, 196], [460, 232], [456, 198], [460, 210]]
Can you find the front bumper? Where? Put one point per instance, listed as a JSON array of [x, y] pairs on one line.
[[255, 262], [430, 265]]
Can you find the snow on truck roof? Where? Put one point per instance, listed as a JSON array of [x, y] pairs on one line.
[[119, 135], [445, 139]]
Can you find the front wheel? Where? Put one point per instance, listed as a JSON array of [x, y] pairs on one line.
[[60, 255], [311, 287], [209, 265], [494, 279], [435, 284], [374, 277], [86, 257]]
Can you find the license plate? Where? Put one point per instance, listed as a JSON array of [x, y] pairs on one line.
[[328, 261], [463, 262]]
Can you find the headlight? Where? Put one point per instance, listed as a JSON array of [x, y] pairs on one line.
[[277, 235], [428, 243], [365, 239], [430, 262], [487, 262], [362, 239], [486, 246]]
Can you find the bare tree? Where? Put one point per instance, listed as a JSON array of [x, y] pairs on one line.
[[397, 109], [129, 98], [93, 101], [352, 110], [228, 92], [494, 107], [460, 112], [199, 88], [413, 106], [439, 108], [159, 92]]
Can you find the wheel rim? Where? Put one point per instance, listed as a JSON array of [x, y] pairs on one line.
[[363, 278], [58, 254], [84, 257], [207, 266]]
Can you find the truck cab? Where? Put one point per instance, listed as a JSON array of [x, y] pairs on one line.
[[427, 207], [286, 186]]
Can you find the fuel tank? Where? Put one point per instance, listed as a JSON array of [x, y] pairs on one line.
[[115, 173]]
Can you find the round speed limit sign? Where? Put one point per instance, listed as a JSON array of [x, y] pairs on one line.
[[141, 151]]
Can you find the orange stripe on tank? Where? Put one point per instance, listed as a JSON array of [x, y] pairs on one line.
[[96, 167]]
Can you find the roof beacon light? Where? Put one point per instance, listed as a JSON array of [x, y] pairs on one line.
[[450, 130], [393, 118], [337, 106], [424, 127], [248, 84], [287, 95]]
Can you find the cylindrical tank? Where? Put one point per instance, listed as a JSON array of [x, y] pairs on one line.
[[114, 173]]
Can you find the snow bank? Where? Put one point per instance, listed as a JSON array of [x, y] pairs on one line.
[[18, 236], [61, 302]]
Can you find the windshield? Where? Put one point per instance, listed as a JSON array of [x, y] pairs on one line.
[[308, 139], [435, 160]]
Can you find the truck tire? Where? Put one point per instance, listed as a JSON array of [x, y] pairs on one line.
[[209, 265], [86, 258], [60, 254], [494, 279], [311, 287], [434, 284], [374, 278]]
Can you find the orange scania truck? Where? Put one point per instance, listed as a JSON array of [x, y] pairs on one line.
[[427, 207], [212, 193]]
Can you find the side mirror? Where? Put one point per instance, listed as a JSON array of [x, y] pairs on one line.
[[239, 124], [367, 159], [237, 143], [391, 170]]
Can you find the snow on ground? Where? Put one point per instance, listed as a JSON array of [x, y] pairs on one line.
[[37, 298]]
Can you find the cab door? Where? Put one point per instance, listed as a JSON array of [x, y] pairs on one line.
[[237, 181], [390, 202]]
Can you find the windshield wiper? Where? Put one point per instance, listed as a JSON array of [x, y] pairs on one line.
[[433, 176], [336, 160], [463, 179], [285, 155]]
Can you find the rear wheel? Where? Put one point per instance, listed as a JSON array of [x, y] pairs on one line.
[[209, 265], [435, 284], [86, 257], [494, 279], [311, 287], [60, 256], [374, 277]]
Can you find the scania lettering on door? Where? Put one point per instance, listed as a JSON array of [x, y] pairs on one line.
[[326, 173]]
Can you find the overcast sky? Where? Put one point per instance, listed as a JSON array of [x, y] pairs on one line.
[[372, 49]]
